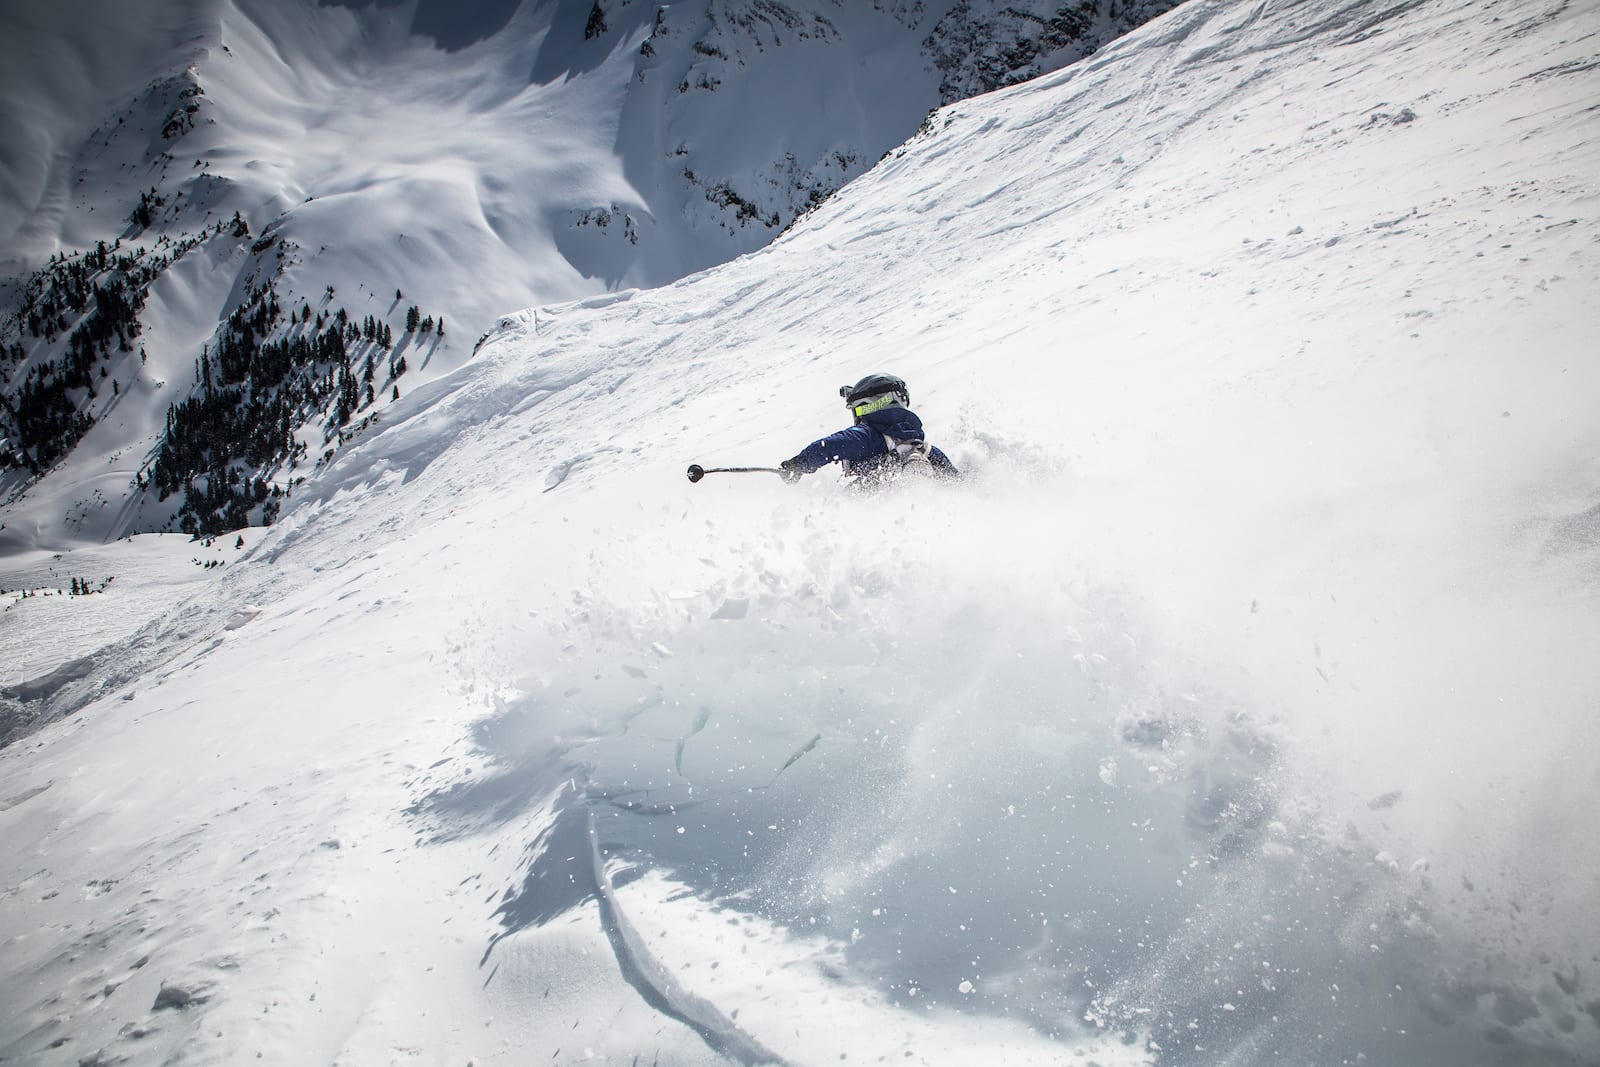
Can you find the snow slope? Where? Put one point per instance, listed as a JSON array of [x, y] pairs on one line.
[[1238, 708]]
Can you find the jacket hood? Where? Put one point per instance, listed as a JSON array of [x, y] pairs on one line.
[[898, 422]]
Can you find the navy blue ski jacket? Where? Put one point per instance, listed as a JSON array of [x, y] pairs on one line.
[[863, 449]]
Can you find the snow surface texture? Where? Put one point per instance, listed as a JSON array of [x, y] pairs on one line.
[[1239, 708]]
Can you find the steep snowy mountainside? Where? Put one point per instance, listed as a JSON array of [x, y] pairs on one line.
[[360, 160], [1236, 709], [1289, 332], [62, 79]]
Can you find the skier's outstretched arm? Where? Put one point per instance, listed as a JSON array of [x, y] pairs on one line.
[[853, 444]]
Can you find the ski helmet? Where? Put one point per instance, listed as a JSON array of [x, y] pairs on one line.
[[876, 385]]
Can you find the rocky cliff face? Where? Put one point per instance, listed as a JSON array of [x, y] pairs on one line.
[[981, 46]]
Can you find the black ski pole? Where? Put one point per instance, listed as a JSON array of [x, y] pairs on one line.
[[696, 472]]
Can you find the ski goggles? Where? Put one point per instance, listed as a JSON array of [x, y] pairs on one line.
[[867, 405]]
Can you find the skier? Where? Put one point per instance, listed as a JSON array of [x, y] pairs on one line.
[[885, 442]]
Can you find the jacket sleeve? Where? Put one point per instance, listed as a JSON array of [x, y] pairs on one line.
[[853, 444]]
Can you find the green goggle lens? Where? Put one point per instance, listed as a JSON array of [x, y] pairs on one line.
[[866, 407]]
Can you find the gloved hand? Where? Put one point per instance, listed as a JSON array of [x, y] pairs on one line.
[[791, 470]]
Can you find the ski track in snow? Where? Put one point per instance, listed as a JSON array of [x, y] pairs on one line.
[[1237, 709]]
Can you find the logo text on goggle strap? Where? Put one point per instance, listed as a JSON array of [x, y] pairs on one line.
[[873, 403]]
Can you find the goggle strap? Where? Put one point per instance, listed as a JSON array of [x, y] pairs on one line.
[[867, 406]]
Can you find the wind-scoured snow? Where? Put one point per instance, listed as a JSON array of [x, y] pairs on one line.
[[1236, 708]]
